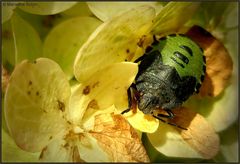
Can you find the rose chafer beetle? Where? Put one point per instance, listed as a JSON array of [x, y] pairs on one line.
[[170, 71]]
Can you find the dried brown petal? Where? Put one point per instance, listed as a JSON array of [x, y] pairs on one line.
[[200, 135], [219, 64], [118, 139]]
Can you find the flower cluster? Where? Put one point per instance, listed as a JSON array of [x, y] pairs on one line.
[[59, 122]]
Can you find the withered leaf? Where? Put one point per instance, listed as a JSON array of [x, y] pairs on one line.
[[118, 139], [200, 134], [219, 64]]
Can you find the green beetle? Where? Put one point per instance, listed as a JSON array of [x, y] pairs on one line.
[[171, 70]]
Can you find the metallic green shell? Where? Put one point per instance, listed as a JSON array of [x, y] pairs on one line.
[[182, 53]]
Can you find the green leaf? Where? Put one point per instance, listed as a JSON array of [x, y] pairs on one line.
[[173, 16], [36, 102], [46, 8], [65, 39]]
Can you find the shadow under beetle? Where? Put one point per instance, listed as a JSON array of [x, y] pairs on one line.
[[170, 71]]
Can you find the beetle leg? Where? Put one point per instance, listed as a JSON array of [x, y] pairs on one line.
[[132, 99], [129, 101], [170, 115], [170, 123], [169, 112]]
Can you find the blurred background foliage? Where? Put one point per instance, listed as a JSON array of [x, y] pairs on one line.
[[30, 32]]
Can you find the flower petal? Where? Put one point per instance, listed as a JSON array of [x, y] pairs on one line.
[[61, 150], [90, 150], [142, 122], [118, 139], [229, 145], [45, 8], [103, 89], [173, 16], [20, 41], [35, 103], [219, 64], [220, 111], [61, 45], [74, 147], [108, 10], [12, 153], [80, 9], [198, 141], [114, 41], [77, 105], [89, 116]]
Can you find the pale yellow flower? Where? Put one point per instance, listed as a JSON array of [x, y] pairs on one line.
[[124, 37]]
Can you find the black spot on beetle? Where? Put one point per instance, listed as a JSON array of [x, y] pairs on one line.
[[198, 87], [202, 78], [86, 90], [180, 56], [182, 35], [127, 50], [204, 68], [163, 38], [180, 64], [186, 48], [29, 92], [61, 106], [173, 35], [204, 59]]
